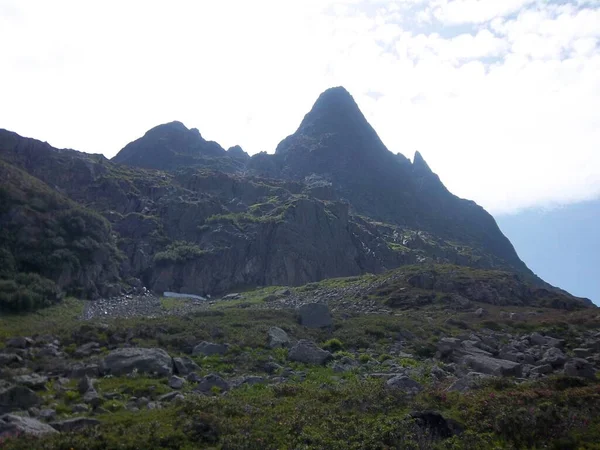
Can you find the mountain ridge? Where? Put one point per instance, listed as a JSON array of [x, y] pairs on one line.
[[190, 216]]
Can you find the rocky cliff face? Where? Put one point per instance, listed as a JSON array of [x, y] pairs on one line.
[[188, 216]]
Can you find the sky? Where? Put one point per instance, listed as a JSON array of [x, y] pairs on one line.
[[562, 244], [500, 96]]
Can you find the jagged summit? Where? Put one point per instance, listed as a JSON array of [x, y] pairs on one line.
[[168, 146], [419, 163], [336, 119]]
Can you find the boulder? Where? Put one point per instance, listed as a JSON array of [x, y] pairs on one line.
[[345, 364], [92, 398], [143, 360], [211, 381], [9, 359], [85, 384], [542, 370], [76, 424], [33, 381], [14, 398], [12, 425], [404, 383], [210, 348], [481, 313], [19, 342], [492, 366], [315, 315], [470, 381], [582, 352], [277, 338], [176, 382], [307, 352], [435, 425], [537, 339], [579, 367], [555, 357], [184, 366]]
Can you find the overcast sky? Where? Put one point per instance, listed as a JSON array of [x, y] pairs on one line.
[[502, 97]]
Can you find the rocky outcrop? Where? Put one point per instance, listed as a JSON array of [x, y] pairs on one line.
[[309, 353], [13, 425], [141, 360]]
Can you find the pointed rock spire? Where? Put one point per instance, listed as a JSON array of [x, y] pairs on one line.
[[419, 164]]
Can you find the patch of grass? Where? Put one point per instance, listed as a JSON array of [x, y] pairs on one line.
[[57, 319], [171, 304]]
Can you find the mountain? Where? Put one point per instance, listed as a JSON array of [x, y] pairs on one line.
[[172, 145], [182, 214]]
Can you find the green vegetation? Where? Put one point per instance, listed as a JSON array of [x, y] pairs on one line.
[[178, 252], [46, 238]]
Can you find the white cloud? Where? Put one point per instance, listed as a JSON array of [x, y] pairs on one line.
[[501, 97]]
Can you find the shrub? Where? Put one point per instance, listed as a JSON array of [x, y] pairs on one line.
[[333, 345], [178, 252]]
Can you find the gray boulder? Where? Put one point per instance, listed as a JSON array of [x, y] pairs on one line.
[[92, 398], [76, 424], [345, 364], [307, 352], [33, 381], [124, 361], [492, 366], [19, 342], [542, 370], [582, 352], [579, 367], [15, 398], [211, 381], [555, 357], [210, 348], [185, 365], [277, 338], [11, 425], [176, 382], [470, 381], [85, 384], [404, 383], [315, 315], [9, 359]]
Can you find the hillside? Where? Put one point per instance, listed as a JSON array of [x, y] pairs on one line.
[[332, 201], [331, 295]]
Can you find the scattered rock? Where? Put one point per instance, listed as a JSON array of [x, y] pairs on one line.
[[272, 367], [87, 350], [11, 425], [176, 382], [211, 381], [85, 384], [9, 359], [405, 384], [143, 360], [542, 370], [582, 352], [492, 366], [19, 342], [210, 348], [307, 352], [555, 357], [471, 381], [277, 338], [33, 381], [184, 366], [481, 313], [315, 315], [76, 424], [92, 398], [436, 425], [579, 367], [15, 398]]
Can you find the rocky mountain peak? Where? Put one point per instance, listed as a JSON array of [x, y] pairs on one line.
[[419, 164], [168, 146], [336, 120]]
